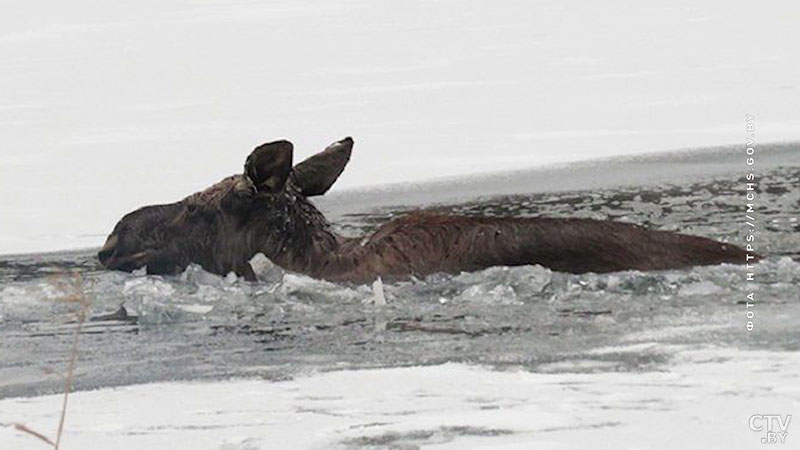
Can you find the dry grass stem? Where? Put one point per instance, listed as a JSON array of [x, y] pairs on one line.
[[24, 429], [72, 284]]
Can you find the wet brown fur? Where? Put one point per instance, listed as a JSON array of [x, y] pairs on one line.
[[223, 227]]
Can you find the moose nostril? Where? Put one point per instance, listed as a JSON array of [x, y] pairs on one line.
[[105, 254], [108, 249]]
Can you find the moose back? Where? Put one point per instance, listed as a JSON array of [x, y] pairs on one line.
[[266, 210]]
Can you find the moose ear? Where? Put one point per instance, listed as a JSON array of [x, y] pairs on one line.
[[269, 165], [316, 175]]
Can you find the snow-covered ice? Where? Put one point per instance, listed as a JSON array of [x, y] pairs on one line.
[[703, 400], [108, 106]]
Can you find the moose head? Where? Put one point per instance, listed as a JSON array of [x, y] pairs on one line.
[[264, 209]]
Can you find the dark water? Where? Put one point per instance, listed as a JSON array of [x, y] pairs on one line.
[[201, 326]]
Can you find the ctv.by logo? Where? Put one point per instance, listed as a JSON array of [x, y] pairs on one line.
[[775, 425]]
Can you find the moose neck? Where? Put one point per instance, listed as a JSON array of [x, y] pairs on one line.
[[300, 238]]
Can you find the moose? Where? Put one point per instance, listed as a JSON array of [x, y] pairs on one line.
[[266, 209]]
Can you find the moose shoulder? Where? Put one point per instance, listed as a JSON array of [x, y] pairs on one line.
[[266, 210]]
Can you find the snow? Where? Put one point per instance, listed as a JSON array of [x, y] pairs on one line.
[[107, 107], [703, 400]]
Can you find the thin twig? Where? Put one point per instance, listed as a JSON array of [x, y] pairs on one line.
[[70, 372], [24, 429], [74, 285]]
